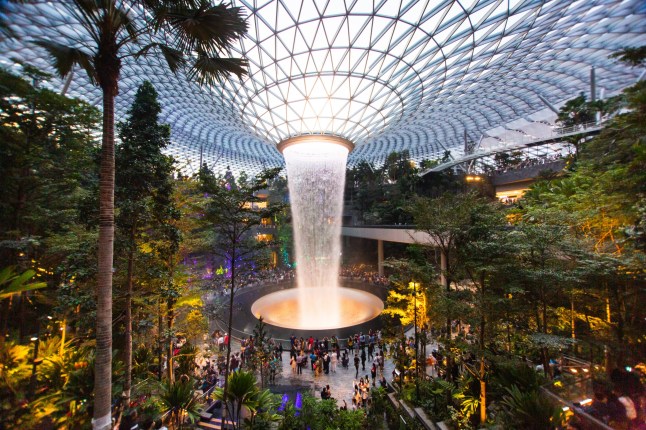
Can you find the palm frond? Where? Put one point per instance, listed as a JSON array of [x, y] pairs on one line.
[[211, 29], [13, 283], [65, 57], [174, 57], [121, 20], [212, 70]]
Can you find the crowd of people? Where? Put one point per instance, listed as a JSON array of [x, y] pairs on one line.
[[621, 403], [326, 355], [359, 273]]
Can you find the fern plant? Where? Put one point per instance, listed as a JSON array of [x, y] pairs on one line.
[[529, 410]]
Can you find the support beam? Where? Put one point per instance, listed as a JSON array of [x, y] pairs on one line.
[[548, 104], [593, 84]]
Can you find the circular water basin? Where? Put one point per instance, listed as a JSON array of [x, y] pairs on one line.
[[317, 309]]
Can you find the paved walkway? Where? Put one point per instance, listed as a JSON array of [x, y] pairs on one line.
[[341, 382]]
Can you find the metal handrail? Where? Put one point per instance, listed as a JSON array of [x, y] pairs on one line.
[[576, 127]]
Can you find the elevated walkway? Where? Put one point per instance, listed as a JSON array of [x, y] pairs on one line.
[[389, 233], [557, 135]]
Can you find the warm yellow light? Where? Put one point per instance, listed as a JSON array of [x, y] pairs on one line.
[[473, 178]]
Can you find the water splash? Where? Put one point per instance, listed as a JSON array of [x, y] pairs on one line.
[[316, 179]]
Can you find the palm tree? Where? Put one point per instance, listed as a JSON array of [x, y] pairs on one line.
[[188, 34], [241, 392], [180, 403]]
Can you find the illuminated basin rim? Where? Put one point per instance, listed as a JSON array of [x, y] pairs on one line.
[[282, 308], [316, 138]]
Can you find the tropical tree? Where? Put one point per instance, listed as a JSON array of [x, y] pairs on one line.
[[601, 201], [262, 350], [412, 286], [143, 180], [484, 253], [46, 147], [242, 393], [444, 220], [232, 214], [113, 30]]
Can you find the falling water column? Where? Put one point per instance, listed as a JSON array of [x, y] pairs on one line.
[[316, 178]]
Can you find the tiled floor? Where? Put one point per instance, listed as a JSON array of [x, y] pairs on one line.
[[340, 382]]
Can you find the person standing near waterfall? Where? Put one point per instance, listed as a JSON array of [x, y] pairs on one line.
[[363, 359], [356, 365]]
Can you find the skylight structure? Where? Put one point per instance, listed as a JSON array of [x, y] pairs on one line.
[[422, 76]]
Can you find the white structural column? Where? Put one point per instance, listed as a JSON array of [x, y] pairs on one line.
[[380, 257]]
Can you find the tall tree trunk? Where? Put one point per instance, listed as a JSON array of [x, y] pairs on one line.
[[103, 361], [481, 375], [128, 330], [483, 392], [21, 317], [229, 326], [170, 322], [544, 351], [160, 342], [5, 318]]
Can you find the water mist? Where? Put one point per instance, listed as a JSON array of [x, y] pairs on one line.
[[316, 179]]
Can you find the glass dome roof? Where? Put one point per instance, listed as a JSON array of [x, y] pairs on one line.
[[388, 75]]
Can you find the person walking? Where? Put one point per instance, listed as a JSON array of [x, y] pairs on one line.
[[373, 373], [293, 364], [356, 365], [299, 363], [363, 359], [333, 360]]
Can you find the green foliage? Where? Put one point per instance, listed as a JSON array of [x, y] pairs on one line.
[[633, 56], [179, 401], [142, 360], [506, 374], [529, 410], [243, 392], [317, 414], [46, 151], [436, 396], [576, 111], [63, 387], [262, 350], [14, 283], [186, 359], [381, 193], [593, 219]]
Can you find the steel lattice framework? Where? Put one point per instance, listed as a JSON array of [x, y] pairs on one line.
[[387, 75]]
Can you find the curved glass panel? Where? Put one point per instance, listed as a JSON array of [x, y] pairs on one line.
[[422, 76]]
